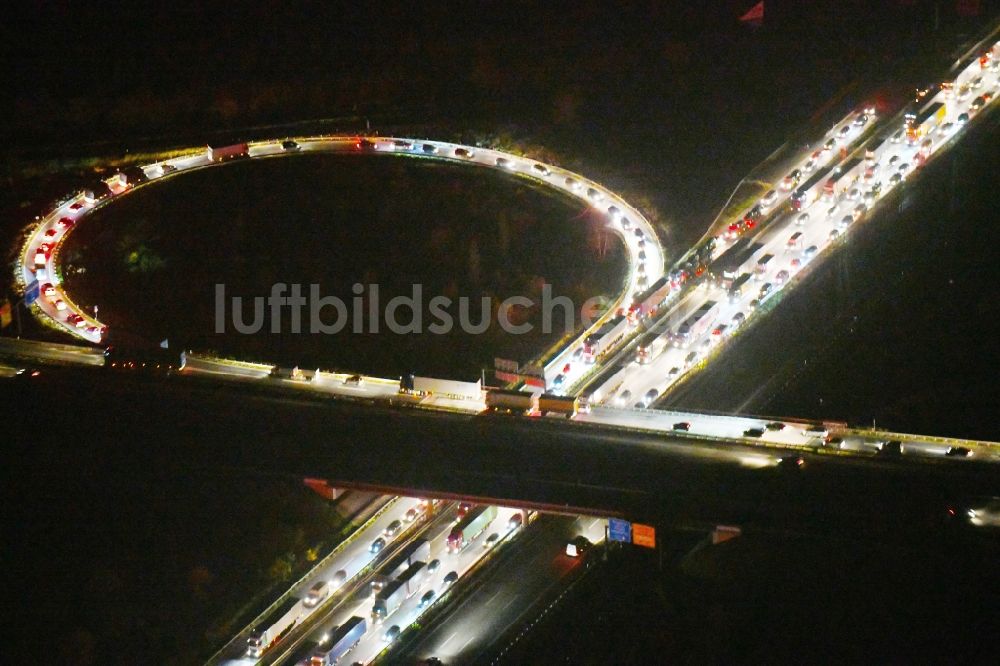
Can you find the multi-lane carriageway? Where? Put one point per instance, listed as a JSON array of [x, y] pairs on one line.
[[626, 386]]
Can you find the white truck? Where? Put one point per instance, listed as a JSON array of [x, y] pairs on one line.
[[274, 627]]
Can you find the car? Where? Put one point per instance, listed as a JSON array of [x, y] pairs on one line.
[[573, 184], [401, 145], [48, 290], [354, 380], [739, 318], [894, 160], [578, 546], [775, 426], [958, 452], [433, 566], [809, 252], [426, 600], [795, 262], [963, 92], [642, 255], [651, 395], [904, 167], [377, 546], [338, 579], [976, 83], [614, 212], [832, 210], [463, 508], [765, 290], [844, 131], [505, 163], [624, 397], [516, 521], [753, 305], [896, 179], [947, 128], [977, 103], [465, 153], [690, 359], [829, 146], [791, 462], [167, 168], [566, 368], [754, 433], [491, 540], [639, 405], [962, 119], [65, 223], [77, 206], [73, 318], [816, 430], [93, 330], [319, 591], [891, 448], [626, 225], [781, 277], [791, 180], [559, 381], [719, 331], [860, 120], [60, 304], [412, 514], [391, 634], [834, 234], [594, 195], [289, 145], [540, 170], [392, 529], [429, 148], [769, 199], [449, 578], [809, 166], [673, 373], [684, 426], [897, 137], [853, 194], [802, 219], [578, 353], [834, 442], [859, 210]]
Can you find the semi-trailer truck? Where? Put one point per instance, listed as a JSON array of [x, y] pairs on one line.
[[558, 404], [470, 526], [342, 641], [413, 578], [388, 600], [221, 153], [604, 338], [694, 326], [417, 551], [274, 627], [501, 400]]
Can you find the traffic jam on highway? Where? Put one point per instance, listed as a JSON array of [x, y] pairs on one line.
[[665, 324], [361, 598]]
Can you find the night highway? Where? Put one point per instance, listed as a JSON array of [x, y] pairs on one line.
[[452, 334]]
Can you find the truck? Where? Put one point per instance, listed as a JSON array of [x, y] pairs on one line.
[[518, 402], [222, 153], [470, 526], [413, 578], [729, 265], [605, 384], [417, 551], [923, 123], [558, 404], [736, 290], [873, 148], [841, 179], [342, 641], [604, 338], [809, 191], [274, 627], [294, 373], [694, 326], [448, 388], [388, 600], [763, 264], [646, 303]]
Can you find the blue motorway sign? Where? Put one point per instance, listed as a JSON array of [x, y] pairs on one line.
[[31, 292], [619, 530]]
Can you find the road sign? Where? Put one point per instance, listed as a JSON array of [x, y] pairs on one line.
[[619, 530], [31, 292], [644, 535]]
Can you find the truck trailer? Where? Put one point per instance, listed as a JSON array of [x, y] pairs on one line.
[[448, 388], [604, 338], [470, 526], [417, 551], [558, 404], [388, 600], [342, 641], [501, 400], [274, 627], [413, 578], [222, 153]]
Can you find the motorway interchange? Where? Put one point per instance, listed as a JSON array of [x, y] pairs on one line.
[[647, 349]]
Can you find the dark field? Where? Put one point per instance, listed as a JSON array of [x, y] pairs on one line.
[[152, 260]]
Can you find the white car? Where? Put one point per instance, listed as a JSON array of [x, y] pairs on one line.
[[769, 199], [802, 219]]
